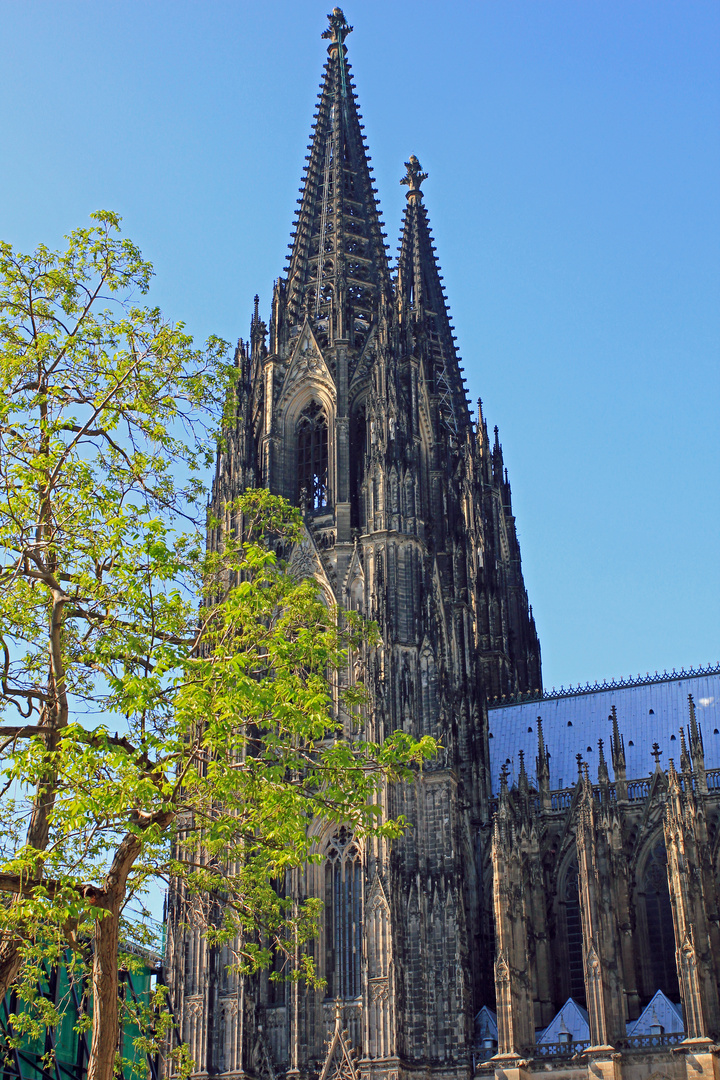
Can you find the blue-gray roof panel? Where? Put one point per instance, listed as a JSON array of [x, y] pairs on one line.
[[646, 713]]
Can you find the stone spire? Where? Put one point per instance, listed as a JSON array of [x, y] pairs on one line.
[[617, 748], [425, 327], [523, 786], [697, 750], [338, 262], [357, 397], [685, 763], [603, 778], [543, 768]]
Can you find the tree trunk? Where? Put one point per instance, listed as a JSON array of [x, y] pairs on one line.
[[105, 984], [10, 964], [105, 980]]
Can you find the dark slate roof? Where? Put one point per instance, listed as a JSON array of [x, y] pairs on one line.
[[653, 710]]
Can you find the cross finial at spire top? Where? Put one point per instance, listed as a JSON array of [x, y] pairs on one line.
[[414, 176], [338, 29], [656, 752]]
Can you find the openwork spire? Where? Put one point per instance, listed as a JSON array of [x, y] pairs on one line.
[[338, 263], [424, 317]]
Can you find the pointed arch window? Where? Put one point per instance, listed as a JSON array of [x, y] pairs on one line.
[[312, 436], [343, 916], [574, 936], [358, 450], [659, 923]]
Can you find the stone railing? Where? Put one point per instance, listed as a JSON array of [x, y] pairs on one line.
[[650, 1042], [713, 779], [556, 1049], [562, 799], [599, 687], [638, 789], [631, 1043]]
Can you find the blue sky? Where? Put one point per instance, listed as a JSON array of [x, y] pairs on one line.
[[573, 150]]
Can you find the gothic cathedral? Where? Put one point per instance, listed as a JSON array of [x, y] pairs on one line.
[[351, 404]]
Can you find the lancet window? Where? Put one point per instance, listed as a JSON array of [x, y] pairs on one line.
[[312, 437], [573, 936], [659, 923], [343, 916], [358, 449]]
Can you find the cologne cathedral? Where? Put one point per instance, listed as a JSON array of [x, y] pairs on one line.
[[554, 905]]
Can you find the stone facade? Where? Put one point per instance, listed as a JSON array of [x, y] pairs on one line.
[[351, 404], [606, 897]]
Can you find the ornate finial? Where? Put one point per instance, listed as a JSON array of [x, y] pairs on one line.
[[586, 776], [504, 777], [603, 776], [522, 775], [543, 758], [338, 29], [656, 752], [414, 176], [695, 736]]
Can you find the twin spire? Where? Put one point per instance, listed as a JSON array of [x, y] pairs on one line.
[[338, 268], [338, 273], [424, 317]]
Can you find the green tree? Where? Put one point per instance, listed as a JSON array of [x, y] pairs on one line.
[[229, 740]]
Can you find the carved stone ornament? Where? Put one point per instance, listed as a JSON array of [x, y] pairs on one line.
[[502, 971], [307, 362], [304, 562], [338, 29], [340, 1062], [414, 175], [377, 898]]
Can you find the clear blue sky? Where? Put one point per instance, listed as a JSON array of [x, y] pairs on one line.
[[573, 150]]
